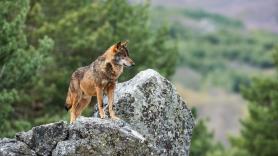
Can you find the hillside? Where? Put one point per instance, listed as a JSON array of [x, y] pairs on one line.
[[255, 14], [218, 55]]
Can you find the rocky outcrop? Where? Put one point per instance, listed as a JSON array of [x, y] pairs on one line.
[[152, 106], [154, 121]]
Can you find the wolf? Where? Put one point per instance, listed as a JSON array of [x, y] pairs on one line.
[[97, 79]]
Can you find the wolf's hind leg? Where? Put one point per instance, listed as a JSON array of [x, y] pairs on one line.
[[72, 116], [75, 99], [83, 103]]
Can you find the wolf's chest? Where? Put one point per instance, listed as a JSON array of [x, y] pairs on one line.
[[113, 71], [105, 73], [105, 82]]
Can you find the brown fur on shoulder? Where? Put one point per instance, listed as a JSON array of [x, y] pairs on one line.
[[96, 79]]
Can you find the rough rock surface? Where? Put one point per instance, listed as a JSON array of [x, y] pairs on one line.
[[152, 106], [94, 136], [12, 147], [43, 139], [155, 121]]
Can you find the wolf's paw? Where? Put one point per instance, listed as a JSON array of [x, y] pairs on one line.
[[102, 115]]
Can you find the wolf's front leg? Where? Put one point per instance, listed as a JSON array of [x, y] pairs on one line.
[[100, 101], [72, 116], [110, 91]]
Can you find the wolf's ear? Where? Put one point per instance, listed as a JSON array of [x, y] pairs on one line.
[[118, 45], [125, 43]]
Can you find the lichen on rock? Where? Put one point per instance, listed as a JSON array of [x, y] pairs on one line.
[[94, 136], [12, 147], [152, 106]]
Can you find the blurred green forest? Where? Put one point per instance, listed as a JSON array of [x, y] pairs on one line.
[[259, 129], [227, 56], [217, 47], [44, 41]]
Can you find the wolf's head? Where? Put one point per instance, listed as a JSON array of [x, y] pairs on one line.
[[121, 55]]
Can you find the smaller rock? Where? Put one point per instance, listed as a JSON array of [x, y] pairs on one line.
[[43, 139], [94, 136], [12, 147]]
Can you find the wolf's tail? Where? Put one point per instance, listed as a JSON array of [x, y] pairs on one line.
[[73, 94], [68, 103]]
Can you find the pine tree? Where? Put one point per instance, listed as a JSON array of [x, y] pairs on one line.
[[18, 61], [34, 86], [259, 133], [83, 30], [202, 142]]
